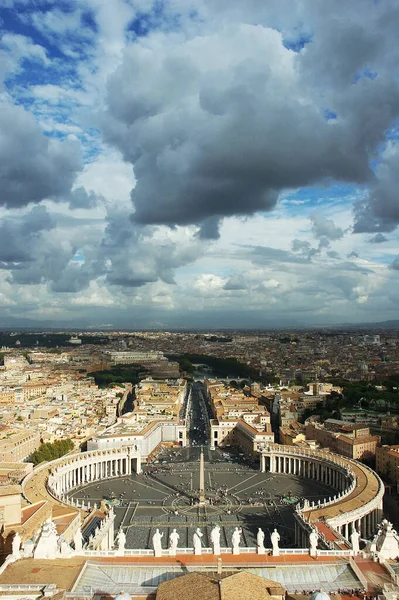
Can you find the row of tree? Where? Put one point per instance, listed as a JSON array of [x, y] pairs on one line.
[[48, 451], [119, 374]]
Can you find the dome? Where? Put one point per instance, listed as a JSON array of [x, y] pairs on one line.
[[319, 595], [123, 596]]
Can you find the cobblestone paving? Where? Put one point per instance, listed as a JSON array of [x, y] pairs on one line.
[[164, 497]]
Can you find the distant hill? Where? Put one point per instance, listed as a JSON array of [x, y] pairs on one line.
[[392, 324]]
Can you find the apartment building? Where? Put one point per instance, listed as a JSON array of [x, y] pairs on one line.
[[240, 419], [387, 463], [17, 444], [353, 442]]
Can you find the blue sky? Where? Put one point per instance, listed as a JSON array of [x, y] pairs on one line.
[[165, 163]]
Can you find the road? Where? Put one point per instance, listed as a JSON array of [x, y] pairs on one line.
[[198, 427]]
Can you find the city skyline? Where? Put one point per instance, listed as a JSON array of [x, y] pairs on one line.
[[198, 164]]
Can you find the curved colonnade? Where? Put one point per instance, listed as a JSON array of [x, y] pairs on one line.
[[73, 470], [356, 505]]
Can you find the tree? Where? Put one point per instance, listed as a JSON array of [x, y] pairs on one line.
[[47, 451]]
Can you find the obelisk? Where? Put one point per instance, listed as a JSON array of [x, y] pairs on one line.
[[202, 478]]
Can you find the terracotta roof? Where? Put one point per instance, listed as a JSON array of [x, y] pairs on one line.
[[199, 586], [246, 586], [190, 587]]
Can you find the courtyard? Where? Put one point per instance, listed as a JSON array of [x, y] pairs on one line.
[[165, 496]]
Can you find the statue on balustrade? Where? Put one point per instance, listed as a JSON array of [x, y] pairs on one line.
[[78, 540], [157, 543], [16, 545], [313, 540], [173, 542], [275, 538], [197, 542], [47, 543], [260, 541], [236, 539], [215, 539], [121, 539], [355, 536]]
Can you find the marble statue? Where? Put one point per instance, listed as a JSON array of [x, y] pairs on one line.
[[47, 544], [157, 543], [354, 539], [78, 541], [197, 541], [275, 538], [65, 549], [313, 539], [28, 548], [121, 539], [16, 544], [173, 541], [260, 541], [215, 539], [236, 539], [385, 543]]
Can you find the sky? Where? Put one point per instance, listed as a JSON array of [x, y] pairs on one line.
[[199, 163]]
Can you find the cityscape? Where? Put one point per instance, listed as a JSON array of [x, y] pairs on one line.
[[199, 454], [199, 300]]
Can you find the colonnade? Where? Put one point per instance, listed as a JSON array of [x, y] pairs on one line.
[[87, 467], [328, 473], [364, 510], [366, 525]]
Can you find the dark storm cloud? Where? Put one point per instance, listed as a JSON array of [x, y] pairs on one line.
[[18, 235], [379, 211], [218, 125], [32, 166], [35, 249]]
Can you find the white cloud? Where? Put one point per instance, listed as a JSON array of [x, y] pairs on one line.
[[212, 99]]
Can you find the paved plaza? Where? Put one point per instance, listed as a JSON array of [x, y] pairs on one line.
[[165, 496]]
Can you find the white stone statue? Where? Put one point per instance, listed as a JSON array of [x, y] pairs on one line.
[[260, 541], [28, 548], [47, 544], [313, 540], [157, 543], [275, 538], [16, 545], [121, 539], [386, 542], [354, 539], [197, 541], [173, 542], [215, 539], [78, 540], [236, 539], [65, 549]]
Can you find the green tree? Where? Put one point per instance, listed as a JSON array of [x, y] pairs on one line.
[[47, 451]]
